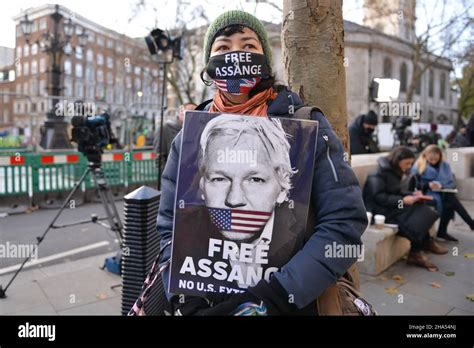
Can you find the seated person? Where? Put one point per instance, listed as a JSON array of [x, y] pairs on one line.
[[383, 194], [432, 173]]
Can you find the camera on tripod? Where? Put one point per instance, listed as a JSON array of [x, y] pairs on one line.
[[92, 134]]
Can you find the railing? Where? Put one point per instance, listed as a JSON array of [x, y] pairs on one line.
[[23, 173]]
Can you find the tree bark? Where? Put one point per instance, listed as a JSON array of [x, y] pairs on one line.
[[313, 56]]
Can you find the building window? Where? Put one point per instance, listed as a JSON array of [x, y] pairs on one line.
[[78, 30], [18, 52], [110, 78], [431, 83], [110, 63], [138, 83], [100, 40], [387, 68], [42, 87], [79, 54], [26, 68], [100, 76], [18, 31], [110, 95], [90, 55], [137, 70], [90, 73], [79, 90], [34, 67], [42, 23], [34, 87], [90, 36], [67, 87], [119, 48], [18, 89], [90, 92], [403, 77], [110, 43], [119, 95], [18, 69], [34, 49], [418, 82], [100, 59], [442, 86], [79, 70], [35, 26], [67, 67], [42, 65], [128, 82], [100, 93], [26, 50], [25, 88]]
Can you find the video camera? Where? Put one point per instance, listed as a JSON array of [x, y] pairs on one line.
[[92, 134]]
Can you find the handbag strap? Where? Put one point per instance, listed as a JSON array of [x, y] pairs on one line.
[[150, 280]]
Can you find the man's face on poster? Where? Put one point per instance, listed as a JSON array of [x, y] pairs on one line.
[[247, 181]]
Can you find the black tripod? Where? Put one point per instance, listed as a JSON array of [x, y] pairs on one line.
[[114, 222]]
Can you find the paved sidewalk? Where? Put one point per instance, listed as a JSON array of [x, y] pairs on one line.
[[408, 290], [81, 288], [70, 288]]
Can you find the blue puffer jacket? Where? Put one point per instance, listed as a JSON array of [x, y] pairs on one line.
[[339, 210], [442, 174]]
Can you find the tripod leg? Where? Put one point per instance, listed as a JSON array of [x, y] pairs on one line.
[[108, 203], [40, 239]]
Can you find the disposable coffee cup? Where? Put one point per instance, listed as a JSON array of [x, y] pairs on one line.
[[369, 217], [379, 221]]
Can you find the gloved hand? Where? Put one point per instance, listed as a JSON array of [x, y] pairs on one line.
[[188, 305], [274, 298]]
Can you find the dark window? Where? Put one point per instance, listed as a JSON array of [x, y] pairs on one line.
[[431, 83], [403, 77], [418, 82], [387, 68], [442, 86]]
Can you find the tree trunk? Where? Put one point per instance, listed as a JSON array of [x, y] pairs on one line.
[[313, 56]]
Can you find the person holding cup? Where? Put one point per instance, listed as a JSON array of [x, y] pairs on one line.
[[384, 194]]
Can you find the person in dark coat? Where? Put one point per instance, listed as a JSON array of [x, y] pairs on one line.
[[338, 208], [470, 130], [432, 173], [361, 134], [461, 138], [170, 130], [384, 194]]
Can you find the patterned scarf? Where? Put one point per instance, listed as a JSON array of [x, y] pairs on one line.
[[255, 106]]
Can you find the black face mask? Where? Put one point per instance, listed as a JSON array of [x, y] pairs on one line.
[[237, 65], [369, 131]]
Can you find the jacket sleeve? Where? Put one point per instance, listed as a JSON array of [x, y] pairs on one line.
[[340, 218], [164, 223], [376, 188]]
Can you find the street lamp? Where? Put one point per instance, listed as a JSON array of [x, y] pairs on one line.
[[54, 132], [26, 26]]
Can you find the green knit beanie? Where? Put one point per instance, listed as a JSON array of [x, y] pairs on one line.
[[243, 18]]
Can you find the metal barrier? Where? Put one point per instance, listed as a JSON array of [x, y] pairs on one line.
[[32, 173]]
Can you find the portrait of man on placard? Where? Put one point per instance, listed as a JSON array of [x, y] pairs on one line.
[[242, 203]]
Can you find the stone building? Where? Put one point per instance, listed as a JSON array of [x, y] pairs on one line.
[[113, 71]]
